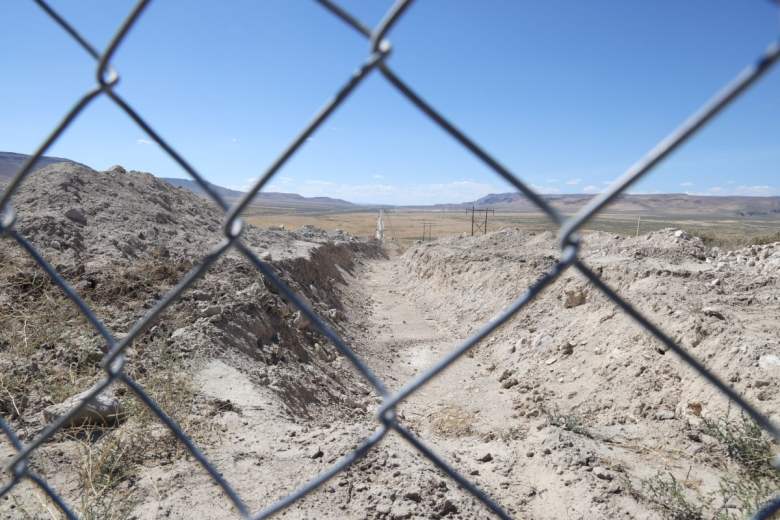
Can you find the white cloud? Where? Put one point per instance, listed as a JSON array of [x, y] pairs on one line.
[[547, 190], [144, 141], [281, 183], [573, 182], [245, 186], [591, 189], [686, 184], [377, 176], [716, 190]]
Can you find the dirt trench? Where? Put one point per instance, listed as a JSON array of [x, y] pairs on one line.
[[465, 415], [543, 415], [569, 410], [267, 450]]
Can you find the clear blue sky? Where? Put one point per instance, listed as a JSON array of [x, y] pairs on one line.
[[567, 94]]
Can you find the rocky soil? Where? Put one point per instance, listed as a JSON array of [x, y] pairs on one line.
[[604, 410], [122, 240], [568, 411]]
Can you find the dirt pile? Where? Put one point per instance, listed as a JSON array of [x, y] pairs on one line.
[[598, 395], [113, 218], [117, 235], [123, 239]]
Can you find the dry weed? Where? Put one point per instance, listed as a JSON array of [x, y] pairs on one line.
[[452, 421]]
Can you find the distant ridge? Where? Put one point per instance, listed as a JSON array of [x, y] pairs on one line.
[[11, 163], [195, 188], [271, 200], [655, 204]]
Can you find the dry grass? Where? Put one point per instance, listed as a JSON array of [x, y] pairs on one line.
[[743, 489], [744, 442], [406, 227], [106, 475], [43, 360], [571, 422], [452, 421], [48, 352], [668, 496]]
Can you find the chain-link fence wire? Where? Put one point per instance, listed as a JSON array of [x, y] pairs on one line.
[[380, 49]]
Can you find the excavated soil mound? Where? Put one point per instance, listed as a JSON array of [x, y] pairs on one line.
[[617, 419]]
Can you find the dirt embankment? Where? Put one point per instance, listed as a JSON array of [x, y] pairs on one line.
[[618, 424], [123, 239]]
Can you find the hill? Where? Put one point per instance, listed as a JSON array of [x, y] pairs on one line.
[[273, 201], [660, 204]]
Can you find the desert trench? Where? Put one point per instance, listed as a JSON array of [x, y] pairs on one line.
[[569, 410]]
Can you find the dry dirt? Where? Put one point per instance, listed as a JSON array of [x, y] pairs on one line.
[[568, 411]]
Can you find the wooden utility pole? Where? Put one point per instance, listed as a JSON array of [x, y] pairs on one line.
[[427, 231], [479, 224]]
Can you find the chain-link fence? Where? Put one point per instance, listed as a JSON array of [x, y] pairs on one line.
[[380, 50]]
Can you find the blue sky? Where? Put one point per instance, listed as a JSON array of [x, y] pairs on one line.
[[566, 94]]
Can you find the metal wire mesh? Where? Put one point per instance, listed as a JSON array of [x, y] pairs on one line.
[[380, 49]]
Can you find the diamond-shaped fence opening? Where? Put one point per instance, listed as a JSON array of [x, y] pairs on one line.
[[113, 362]]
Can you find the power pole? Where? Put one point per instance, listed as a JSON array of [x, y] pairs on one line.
[[479, 224], [427, 231]]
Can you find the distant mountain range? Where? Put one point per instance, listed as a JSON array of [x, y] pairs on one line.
[[271, 200], [677, 204], [661, 204]]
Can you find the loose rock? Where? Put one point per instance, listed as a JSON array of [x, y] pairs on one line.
[[77, 216], [103, 409]]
